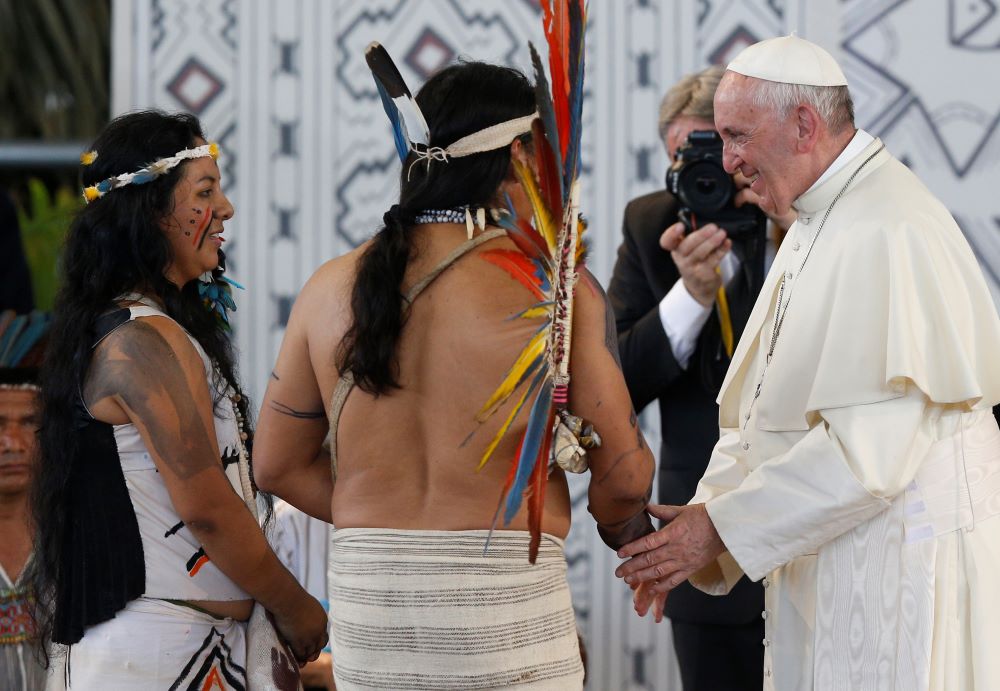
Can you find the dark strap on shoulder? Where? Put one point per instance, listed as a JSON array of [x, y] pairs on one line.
[[109, 322], [346, 382]]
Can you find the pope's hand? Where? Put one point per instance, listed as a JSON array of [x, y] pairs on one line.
[[665, 559], [697, 256]]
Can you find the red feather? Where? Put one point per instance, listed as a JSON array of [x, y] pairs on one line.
[[557, 37], [529, 240], [536, 499], [549, 175], [518, 266]]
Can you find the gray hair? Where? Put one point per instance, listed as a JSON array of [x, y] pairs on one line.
[[693, 96], [833, 103]]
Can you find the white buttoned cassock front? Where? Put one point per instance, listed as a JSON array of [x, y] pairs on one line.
[[863, 484]]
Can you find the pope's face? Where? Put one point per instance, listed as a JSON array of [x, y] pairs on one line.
[[758, 143], [18, 439]]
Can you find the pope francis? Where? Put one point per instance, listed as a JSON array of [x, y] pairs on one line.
[[858, 467]]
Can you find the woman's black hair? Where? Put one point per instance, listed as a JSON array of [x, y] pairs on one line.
[[114, 246], [457, 101]]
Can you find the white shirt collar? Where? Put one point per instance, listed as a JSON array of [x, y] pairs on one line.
[[858, 142]]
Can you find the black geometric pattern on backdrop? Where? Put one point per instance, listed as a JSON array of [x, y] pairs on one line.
[[914, 85], [159, 30], [973, 24], [195, 86], [430, 50], [230, 32], [428, 54], [738, 39]]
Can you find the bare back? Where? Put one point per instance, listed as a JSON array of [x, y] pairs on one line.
[[417, 448], [408, 458]]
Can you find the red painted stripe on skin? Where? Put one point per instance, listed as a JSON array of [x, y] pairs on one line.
[[197, 566], [199, 235]]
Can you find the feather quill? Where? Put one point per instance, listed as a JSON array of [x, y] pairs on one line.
[[530, 359], [537, 434], [387, 77], [522, 269], [551, 248]]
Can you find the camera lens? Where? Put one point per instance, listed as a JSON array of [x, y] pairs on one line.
[[704, 187]]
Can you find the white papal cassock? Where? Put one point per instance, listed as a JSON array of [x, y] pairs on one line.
[[863, 485]]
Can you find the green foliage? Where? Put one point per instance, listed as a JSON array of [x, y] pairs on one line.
[[54, 68], [43, 227]]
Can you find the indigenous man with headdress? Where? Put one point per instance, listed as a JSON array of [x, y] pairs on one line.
[[21, 345], [859, 461]]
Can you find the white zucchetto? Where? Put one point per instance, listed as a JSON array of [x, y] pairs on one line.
[[789, 60]]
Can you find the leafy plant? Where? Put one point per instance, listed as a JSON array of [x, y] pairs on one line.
[[44, 222], [54, 68]]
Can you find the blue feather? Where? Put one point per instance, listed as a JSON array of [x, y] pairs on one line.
[[32, 327], [141, 178], [399, 137], [231, 282], [9, 337], [534, 436]]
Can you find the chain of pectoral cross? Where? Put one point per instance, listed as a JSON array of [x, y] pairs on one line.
[[781, 309]]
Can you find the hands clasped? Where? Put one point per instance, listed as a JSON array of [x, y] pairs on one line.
[[663, 560]]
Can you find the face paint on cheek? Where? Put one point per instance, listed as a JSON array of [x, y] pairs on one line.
[[199, 233]]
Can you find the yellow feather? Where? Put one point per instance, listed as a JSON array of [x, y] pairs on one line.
[[503, 429], [544, 222], [536, 312], [535, 347]]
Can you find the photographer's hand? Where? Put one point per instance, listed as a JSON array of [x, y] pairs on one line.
[[697, 256], [745, 195]]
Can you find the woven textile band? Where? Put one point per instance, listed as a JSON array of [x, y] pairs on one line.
[[488, 139]]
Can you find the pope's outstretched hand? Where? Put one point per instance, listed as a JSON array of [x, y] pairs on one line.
[[663, 560]]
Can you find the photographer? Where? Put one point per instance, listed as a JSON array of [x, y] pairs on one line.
[[676, 333]]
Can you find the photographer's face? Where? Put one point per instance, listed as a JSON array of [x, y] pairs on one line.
[[757, 144], [680, 128]]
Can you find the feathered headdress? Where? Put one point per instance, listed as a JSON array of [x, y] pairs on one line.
[[21, 341], [145, 174], [409, 127], [547, 264]]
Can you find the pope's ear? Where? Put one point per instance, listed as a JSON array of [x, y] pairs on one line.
[[808, 125]]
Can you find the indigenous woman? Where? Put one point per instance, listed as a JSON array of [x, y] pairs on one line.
[[148, 561], [391, 349]]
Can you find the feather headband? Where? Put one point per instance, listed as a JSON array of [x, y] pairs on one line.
[[143, 175], [410, 130], [487, 139]]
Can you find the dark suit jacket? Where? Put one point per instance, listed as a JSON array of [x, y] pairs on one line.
[[643, 275]]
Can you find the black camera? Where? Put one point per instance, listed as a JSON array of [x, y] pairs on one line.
[[705, 190]]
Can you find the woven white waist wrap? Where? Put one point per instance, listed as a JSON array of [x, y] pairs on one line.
[[414, 609]]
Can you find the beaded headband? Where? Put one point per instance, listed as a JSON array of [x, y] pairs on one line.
[[143, 175]]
